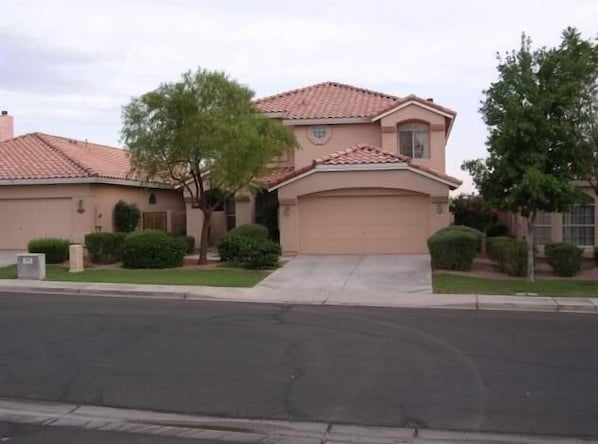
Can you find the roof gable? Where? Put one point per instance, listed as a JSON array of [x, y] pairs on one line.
[[362, 155]]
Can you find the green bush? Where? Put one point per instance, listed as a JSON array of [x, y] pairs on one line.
[[497, 230], [104, 248], [255, 253], [126, 216], [564, 258], [56, 250], [453, 249], [495, 246], [512, 258], [253, 231], [188, 241], [464, 229], [152, 249], [249, 246], [229, 246]]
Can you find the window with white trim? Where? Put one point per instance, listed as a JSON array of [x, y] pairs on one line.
[[414, 140], [578, 225], [543, 229]]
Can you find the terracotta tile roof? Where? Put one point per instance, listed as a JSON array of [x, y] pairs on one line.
[[333, 100], [362, 154], [42, 156], [327, 100]]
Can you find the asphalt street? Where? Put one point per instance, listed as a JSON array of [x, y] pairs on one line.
[[515, 372]]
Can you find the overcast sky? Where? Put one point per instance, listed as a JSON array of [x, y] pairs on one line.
[[67, 67]]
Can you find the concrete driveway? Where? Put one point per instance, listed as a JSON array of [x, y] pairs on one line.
[[8, 257], [392, 273]]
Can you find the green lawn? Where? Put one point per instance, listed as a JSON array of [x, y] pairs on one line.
[[451, 283], [219, 277]]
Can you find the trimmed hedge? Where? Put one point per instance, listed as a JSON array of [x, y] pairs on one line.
[[104, 248], [253, 231], [229, 246], [494, 246], [56, 250], [564, 258], [249, 246], [512, 260], [464, 229], [152, 249], [454, 249], [254, 253]]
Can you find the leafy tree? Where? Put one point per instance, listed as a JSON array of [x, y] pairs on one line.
[[472, 211], [204, 133], [533, 142]]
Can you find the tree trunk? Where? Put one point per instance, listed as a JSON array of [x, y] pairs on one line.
[[531, 220], [203, 242]]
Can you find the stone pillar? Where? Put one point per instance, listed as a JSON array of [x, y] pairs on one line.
[[75, 258]]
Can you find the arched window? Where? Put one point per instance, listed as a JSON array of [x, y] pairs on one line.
[[414, 140]]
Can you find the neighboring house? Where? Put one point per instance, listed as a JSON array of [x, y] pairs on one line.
[[368, 174], [52, 186], [577, 226]]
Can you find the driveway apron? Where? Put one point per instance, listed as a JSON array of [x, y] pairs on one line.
[[392, 273]]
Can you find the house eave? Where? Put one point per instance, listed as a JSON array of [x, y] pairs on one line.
[[326, 121], [416, 103], [84, 180]]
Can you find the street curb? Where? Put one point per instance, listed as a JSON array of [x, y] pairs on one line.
[[247, 295], [222, 429]]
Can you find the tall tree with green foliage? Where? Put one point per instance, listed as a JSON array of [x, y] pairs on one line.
[[203, 133], [534, 150]]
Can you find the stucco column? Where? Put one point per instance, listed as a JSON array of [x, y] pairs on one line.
[[288, 223], [244, 208], [439, 213]]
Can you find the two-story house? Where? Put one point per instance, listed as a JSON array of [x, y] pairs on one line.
[[367, 176]]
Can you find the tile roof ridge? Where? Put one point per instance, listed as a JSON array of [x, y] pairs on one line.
[[69, 139], [329, 83], [42, 137]]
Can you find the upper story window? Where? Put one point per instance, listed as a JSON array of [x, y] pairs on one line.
[[414, 140], [319, 134]]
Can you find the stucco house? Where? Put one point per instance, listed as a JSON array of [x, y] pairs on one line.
[[577, 226], [367, 176], [53, 186]]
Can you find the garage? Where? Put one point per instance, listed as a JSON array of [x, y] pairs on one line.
[[24, 219], [383, 224]]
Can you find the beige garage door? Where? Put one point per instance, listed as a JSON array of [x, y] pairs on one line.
[[363, 224], [24, 219]]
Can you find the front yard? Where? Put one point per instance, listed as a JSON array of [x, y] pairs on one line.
[[215, 277], [457, 283]]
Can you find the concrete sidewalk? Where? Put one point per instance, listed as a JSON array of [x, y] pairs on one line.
[[313, 297]]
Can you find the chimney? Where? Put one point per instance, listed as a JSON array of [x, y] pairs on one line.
[[430, 99], [6, 126]]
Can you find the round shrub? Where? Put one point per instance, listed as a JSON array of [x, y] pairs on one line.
[[453, 249], [463, 229], [254, 253], [189, 242], [564, 258], [253, 231], [229, 246], [152, 249], [104, 248], [56, 250]]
